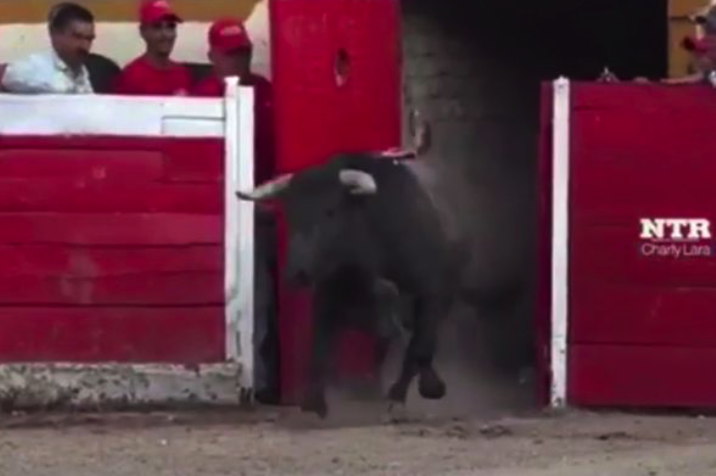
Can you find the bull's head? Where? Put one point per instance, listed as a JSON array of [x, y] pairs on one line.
[[318, 204]]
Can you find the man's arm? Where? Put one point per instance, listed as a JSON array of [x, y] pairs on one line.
[[27, 76], [690, 79]]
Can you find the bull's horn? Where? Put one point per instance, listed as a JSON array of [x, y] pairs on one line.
[[267, 190], [360, 183]]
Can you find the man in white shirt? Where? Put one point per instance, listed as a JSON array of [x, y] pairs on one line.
[[62, 70]]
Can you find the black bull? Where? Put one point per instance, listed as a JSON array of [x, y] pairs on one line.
[[355, 223]]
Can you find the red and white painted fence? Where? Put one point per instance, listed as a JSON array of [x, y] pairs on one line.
[[627, 313], [127, 261]]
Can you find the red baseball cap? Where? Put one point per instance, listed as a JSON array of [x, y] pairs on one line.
[[697, 45], [228, 34], [152, 11]]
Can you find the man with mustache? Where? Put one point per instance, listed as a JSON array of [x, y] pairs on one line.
[[61, 70], [154, 73]]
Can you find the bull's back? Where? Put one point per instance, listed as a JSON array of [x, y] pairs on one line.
[[407, 223]]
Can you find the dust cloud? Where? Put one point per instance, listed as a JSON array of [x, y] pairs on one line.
[[473, 358], [477, 385]]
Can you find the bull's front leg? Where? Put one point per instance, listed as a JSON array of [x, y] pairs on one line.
[[398, 392], [428, 314], [314, 400]]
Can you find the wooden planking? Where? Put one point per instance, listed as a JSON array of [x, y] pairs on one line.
[[97, 196], [642, 329], [171, 334], [626, 167], [648, 98], [82, 165], [106, 143], [139, 229], [145, 289], [130, 158], [125, 261], [91, 262], [643, 155], [627, 314], [642, 376], [194, 160]]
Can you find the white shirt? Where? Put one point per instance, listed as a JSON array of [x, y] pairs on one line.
[[45, 73]]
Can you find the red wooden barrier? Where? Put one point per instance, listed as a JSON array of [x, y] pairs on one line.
[[114, 231], [641, 325], [111, 249]]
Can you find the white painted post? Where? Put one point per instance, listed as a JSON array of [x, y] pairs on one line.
[[239, 229], [560, 242]]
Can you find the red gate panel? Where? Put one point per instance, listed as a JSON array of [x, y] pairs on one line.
[[642, 326], [111, 249], [316, 117]]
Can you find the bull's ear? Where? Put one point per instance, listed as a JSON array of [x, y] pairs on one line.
[[358, 182]]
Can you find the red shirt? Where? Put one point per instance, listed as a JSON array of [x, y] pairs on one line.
[[213, 86], [141, 78]]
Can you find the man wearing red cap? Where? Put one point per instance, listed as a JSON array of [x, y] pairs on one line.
[[230, 52], [154, 73], [702, 53]]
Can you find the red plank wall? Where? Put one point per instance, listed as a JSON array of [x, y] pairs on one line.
[[111, 249], [316, 118], [642, 329]]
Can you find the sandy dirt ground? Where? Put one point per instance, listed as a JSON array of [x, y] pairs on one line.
[[484, 426], [283, 442]]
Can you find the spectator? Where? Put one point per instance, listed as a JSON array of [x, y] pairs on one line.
[[705, 19], [154, 73], [61, 70], [702, 51], [230, 53]]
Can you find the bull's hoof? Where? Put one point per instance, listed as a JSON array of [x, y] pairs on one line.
[[397, 393], [317, 405], [397, 413], [431, 386]]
